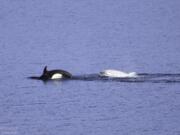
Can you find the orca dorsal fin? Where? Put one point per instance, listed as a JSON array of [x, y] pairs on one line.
[[45, 70]]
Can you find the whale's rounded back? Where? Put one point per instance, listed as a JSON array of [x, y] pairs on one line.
[[54, 74], [117, 74]]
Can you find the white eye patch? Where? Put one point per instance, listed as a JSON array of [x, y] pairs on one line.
[[57, 76]]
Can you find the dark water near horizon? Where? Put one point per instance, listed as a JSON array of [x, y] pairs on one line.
[[84, 38]]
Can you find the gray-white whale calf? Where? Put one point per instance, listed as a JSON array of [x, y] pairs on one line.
[[117, 74]]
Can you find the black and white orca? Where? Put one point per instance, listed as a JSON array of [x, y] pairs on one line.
[[53, 74]]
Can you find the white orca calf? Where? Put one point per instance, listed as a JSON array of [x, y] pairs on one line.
[[117, 74]]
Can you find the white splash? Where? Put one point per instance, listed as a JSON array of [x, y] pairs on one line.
[[57, 76], [118, 74]]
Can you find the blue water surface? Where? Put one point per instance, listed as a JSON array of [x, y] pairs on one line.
[[86, 37]]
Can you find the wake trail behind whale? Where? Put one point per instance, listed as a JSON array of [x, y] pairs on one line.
[[141, 78]]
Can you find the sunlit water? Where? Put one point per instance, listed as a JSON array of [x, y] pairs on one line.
[[84, 38]]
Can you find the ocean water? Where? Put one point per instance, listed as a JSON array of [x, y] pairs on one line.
[[84, 38]]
